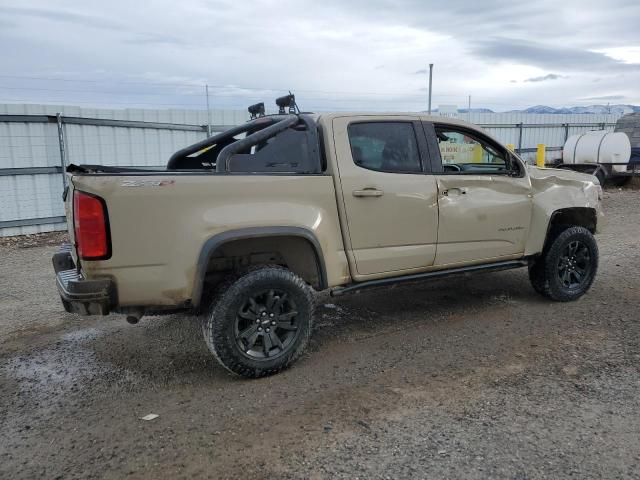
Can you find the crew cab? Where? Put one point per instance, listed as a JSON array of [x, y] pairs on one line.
[[244, 226]]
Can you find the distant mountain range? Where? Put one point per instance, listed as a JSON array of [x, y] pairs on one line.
[[616, 109], [600, 109], [476, 110]]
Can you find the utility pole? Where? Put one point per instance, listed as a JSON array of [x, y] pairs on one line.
[[430, 84], [206, 91]]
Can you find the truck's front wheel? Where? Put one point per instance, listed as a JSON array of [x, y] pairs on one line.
[[567, 267], [260, 322]]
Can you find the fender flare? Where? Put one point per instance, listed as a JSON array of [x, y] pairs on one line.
[[561, 211], [215, 242]]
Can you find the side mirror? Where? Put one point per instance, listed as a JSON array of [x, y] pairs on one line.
[[514, 165]]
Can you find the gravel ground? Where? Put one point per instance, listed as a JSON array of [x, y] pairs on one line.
[[469, 377]]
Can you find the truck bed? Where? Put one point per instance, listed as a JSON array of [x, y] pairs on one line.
[[160, 221]]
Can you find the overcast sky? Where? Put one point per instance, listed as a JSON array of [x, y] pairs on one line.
[[361, 54]]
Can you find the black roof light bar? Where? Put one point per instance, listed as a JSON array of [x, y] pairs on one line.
[[256, 110], [287, 101]]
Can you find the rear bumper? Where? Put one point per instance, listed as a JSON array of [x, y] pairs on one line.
[[79, 295]]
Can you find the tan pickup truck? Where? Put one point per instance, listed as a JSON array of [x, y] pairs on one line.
[[244, 226]]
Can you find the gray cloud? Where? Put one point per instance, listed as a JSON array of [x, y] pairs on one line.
[[615, 21], [157, 39], [6, 24], [544, 78], [63, 16], [361, 54], [604, 98], [547, 56]]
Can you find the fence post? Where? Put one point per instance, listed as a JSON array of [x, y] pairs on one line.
[[206, 90], [540, 155], [63, 151], [519, 137], [566, 132]]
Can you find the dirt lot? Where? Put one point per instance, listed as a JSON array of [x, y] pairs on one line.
[[472, 377]]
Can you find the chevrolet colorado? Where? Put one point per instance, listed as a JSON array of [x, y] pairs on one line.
[[244, 226]]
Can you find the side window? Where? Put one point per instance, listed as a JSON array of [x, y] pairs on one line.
[[463, 152], [385, 146]]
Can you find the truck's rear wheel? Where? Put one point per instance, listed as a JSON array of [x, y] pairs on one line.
[[260, 322], [567, 267]]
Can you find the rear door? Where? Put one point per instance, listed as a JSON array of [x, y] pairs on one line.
[[484, 196], [389, 198]]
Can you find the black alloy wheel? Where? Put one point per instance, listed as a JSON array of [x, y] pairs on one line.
[[266, 324], [259, 321], [574, 265], [567, 266]]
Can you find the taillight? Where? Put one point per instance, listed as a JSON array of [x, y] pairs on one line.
[[91, 225]]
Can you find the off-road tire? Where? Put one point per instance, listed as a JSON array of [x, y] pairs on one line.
[[544, 271], [219, 324]]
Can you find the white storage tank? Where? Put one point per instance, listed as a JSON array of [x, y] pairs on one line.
[[598, 146]]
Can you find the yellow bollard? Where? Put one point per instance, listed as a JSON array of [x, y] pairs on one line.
[[511, 147], [540, 155], [477, 153]]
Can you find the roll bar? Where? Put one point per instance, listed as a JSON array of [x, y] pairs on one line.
[[274, 125], [207, 142], [251, 140]]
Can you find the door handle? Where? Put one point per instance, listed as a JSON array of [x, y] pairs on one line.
[[368, 192], [459, 191]]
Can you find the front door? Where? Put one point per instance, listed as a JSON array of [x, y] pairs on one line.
[[389, 202], [484, 198]]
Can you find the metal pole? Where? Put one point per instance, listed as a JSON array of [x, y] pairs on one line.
[[519, 137], [430, 84], [63, 152], [469, 110], [206, 90], [566, 132]]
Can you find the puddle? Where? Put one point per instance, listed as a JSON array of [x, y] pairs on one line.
[[60, 367]]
